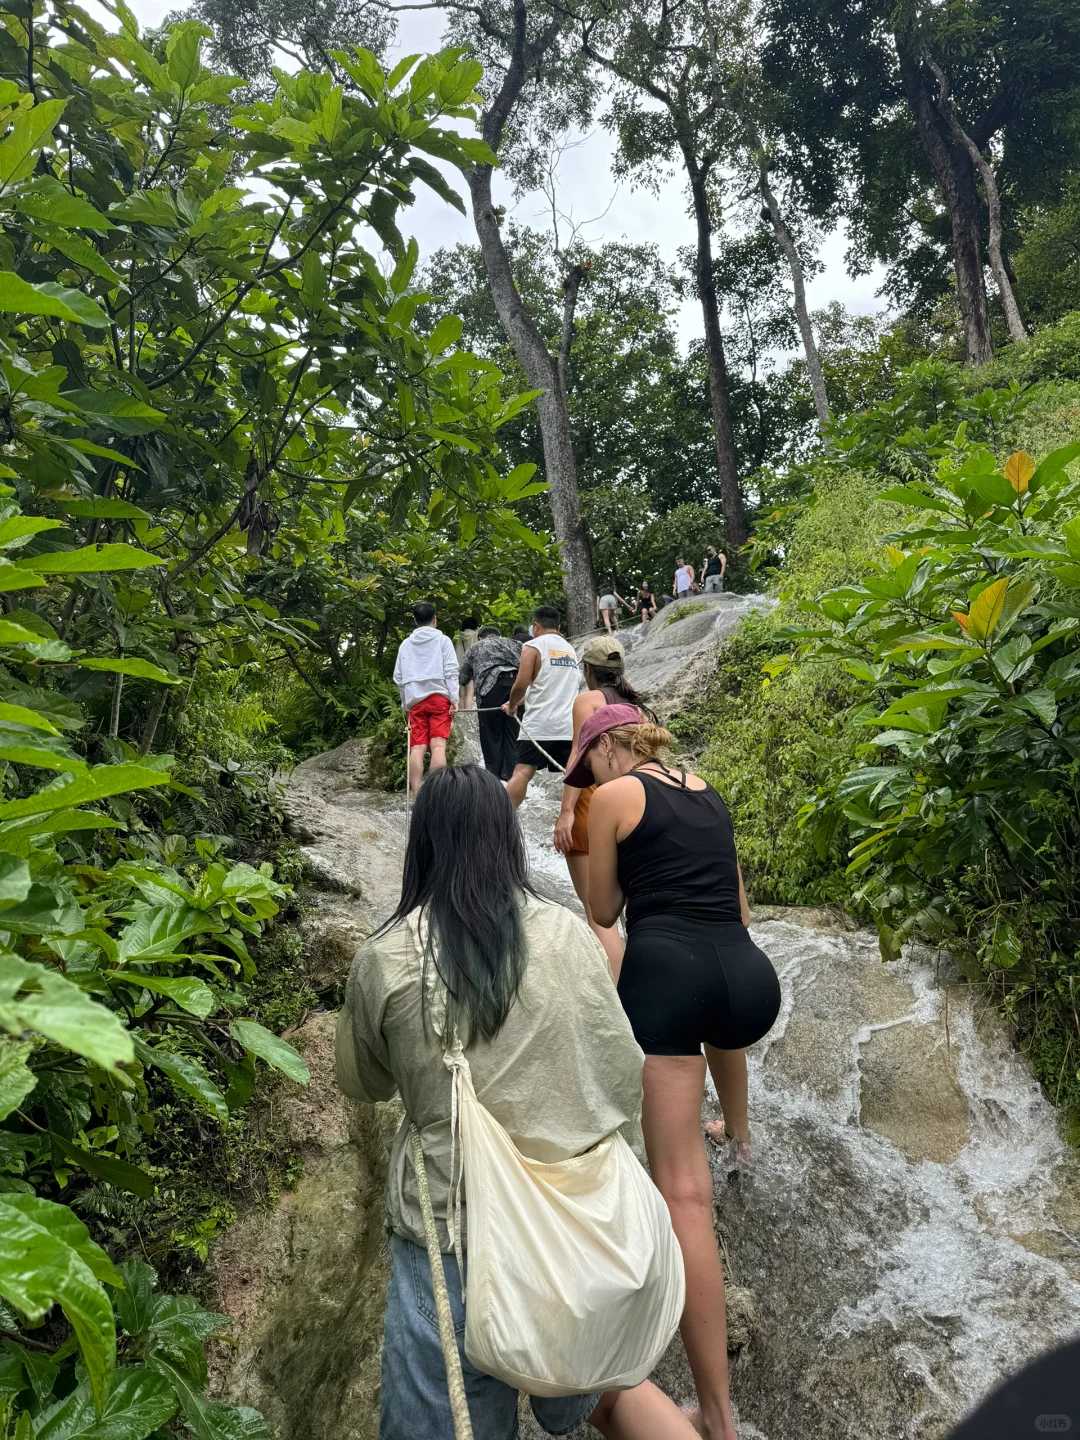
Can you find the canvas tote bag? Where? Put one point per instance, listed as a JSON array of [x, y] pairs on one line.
[[575, 1279]]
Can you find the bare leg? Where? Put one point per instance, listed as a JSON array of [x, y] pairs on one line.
[[438, 753], [728, 1070], [518, 783], [417, 754], [671, 1116], [644, 1413], [609, 936]]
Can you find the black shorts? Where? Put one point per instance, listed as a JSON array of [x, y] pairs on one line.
[[528, 754], [685, 983]]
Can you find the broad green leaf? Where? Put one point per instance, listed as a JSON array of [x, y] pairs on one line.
[[12, 634], [18, 577], [51, 201], [141, 669], [19, 297], [186, 1075], [271, 1048], [99, 508], [34, 997], [135, 1302], [16, 1078], [48, 1258], [446, 333], [101, 782], [190, 995], [995, 489], [30, 130], [139, 1402], [985, 612], [917, 499], [15, 882], [117, 406], [42, 751], [1053, 465], [19, 529], [158, 930], [178, 1329], [109, 1168], [1071, 534], [92, 560], [182, 52], [1019, 468]]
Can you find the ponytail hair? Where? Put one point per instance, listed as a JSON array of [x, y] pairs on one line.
[[605, 677], [646, 741]]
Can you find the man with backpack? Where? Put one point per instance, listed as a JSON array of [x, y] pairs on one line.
[[549, 674], [426, 674]]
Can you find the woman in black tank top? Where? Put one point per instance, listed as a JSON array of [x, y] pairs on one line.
[[661, 843]]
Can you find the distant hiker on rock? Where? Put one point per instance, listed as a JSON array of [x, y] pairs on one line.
[[684, 580], [645, 602], [604, 662], [713, 569], [488, 677], [466, 637], [661, 843], [524, 984], [607, 609], [426, 674], [548, 674]]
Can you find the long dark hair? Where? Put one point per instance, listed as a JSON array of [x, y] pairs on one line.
[[466, 872], [599, 677]]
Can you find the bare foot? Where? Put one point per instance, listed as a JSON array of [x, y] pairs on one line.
[[737, 1157], [716, 1131]]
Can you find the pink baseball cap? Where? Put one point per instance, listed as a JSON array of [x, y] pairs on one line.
[[608, 717]]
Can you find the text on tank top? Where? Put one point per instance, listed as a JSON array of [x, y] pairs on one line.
[[550, 698], [680, 857]]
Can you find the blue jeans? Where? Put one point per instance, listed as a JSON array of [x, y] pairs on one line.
[[414, 1398]]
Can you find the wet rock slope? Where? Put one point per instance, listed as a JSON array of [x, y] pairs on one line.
[[909, 1233]]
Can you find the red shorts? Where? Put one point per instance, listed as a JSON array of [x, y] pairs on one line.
[[430, 719]]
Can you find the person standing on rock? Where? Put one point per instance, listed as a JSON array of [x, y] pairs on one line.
[[549, 675], [604, 662], [607, 610], [661, 843], [524, 984], [645, 602], [684, 580], [713, 569], [426, 674], [488, 677]]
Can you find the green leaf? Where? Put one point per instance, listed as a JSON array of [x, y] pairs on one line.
[[182, 52], [12, 634], [190, 995], [18, 529], [186, 1075], [14, 882], [917, 499], [109, 1168], [142, 669], [100, 508], [158, 930], [271, 1048], [49, 200], [92, 560], [1053, 465], [18, 297], [446, 333], [135, 1302], [99, 783], [33, 997], [47, 1258], [139, 1402], [178, 1330], [16, 1078], [986, 610], [30, 130]]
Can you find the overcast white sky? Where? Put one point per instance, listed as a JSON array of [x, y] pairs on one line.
[[585, 188]]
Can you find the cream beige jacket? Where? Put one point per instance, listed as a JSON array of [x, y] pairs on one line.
[[563, 1072]]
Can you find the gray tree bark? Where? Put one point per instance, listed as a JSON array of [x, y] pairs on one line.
[[571, 288], [955, 177], [540, 366], [786, 241], [998, 264]]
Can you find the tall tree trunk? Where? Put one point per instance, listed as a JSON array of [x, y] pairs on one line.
[[955, 177], [786, 241], [571, 287], [731, 501], [542, 372], [1013, 318]]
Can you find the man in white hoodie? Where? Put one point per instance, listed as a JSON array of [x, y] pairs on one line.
[[426, 674]]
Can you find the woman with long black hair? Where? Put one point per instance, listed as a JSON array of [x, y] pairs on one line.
[[524, 983], [661, 843]]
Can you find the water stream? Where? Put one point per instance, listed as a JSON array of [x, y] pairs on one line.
[[908, 1235]]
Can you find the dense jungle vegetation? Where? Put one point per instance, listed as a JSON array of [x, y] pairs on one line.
[[244, 422]]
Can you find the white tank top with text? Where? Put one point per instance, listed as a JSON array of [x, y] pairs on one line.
[[549, 700]]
